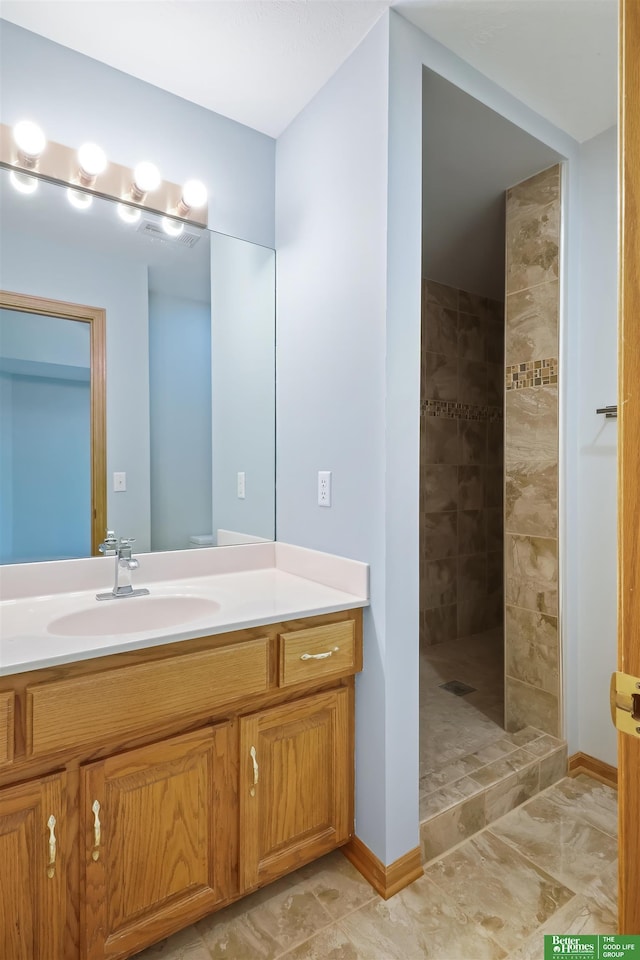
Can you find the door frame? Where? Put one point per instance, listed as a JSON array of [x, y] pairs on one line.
[[629, 456], [96, 318]]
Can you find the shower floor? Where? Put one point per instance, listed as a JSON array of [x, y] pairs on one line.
[[471, 770]]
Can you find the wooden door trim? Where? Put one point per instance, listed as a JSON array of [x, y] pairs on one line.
[[628, 455], [96, 318]]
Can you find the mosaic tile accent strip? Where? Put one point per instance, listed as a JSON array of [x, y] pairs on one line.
[[452, 410], [533, 373]]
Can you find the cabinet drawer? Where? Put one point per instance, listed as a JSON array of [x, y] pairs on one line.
[[86, 710], [319, 652], [6, 726]]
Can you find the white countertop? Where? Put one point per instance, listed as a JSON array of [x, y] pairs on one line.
[[259, 588]]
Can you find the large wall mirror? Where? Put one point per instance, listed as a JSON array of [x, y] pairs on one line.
[[189, 329]]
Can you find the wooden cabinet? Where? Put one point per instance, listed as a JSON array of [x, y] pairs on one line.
[[156, 841], [33, 886], [295, 779], [191, 774]]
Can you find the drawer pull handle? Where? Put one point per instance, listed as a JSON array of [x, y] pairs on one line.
[[252, 754], [319, 656], [51, 865], [95, 853]]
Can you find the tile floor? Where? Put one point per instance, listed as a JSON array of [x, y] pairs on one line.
[[547, 867], [471, 770]]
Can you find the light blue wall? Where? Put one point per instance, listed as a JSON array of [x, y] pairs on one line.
[[75, 99], [331, 222], [51, 501], [180, 405], [597, 443], [42, 339], [72, 273], [243, 365], [348, 228]]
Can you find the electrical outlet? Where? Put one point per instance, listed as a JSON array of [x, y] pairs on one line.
[[241, 486], [324, 488]]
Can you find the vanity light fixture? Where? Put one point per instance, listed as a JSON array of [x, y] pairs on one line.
[[22, 182], [79, 199], [171, 227], [194, 196], [93, 162], [30, 141], [146, 179], [28, 156], [128, 214]]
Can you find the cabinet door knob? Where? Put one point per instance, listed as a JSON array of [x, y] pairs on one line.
[[51, 864], [252, 754], [319, 656], [95, 853]]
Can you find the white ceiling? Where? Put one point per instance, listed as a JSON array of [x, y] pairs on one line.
[[261, 61]]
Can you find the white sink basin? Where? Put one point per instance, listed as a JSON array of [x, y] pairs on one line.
[[132, 615]]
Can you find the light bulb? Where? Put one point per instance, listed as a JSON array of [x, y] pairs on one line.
[[78, 199], [172, 227], [127, 213], [30, 140], [146, 177], [23, 183], [92, 160], [194, 194]]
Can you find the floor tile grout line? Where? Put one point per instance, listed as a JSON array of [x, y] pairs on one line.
[[334, 922]]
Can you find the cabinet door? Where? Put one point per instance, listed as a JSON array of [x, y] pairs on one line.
[[157, 844], [296, 784], [32, 873]]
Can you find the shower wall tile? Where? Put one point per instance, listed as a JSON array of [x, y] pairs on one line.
[[471, 532], [533, 231], [439, 535], [440, 487], [472, 442], [472, 381], [531, 431], [441, 294], [471, 487], [531, 498], [532, 648], [472, 343], [439, 624], [494, 486], [473, 617], [532, 330], [440, 330], [472, 578], [440, 374], [524, 703], [495, 443], [439, 582], [532, 573], [462, 399], [495, 384], [441, 440], [494, 529]]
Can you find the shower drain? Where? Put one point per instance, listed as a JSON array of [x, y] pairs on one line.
[[458, 687]]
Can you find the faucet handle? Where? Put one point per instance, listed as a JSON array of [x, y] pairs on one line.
[[109, 544], [126, 541]]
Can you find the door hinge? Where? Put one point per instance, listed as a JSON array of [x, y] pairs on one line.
[[625, 703]]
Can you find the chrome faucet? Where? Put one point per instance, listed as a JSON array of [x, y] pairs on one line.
[[120, 547]]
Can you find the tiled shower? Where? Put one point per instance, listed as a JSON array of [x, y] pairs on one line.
[[461, 464], [489, 370]]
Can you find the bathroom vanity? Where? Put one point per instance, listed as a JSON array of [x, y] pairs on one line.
[[141, 790]]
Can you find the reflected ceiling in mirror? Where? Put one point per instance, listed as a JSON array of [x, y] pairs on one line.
[[190, 358]]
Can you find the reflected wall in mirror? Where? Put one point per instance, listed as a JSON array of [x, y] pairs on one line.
[[190, 360], [52, 430]]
